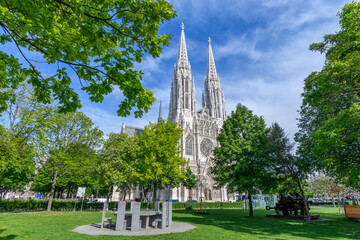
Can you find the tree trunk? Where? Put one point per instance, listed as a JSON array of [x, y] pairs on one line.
[[58, 193], [52, 191], [108, 195], [72, 190], [145, 193], [251, 211], [339, 204], [305, 202], [67, 192], [62, 192], [154, 195], [333, 200]]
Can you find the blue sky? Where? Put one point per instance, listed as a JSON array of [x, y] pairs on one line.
[[260, 50], [261, 54]]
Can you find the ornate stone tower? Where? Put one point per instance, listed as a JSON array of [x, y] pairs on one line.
[[182, 97], [200, 128], [213, 97]]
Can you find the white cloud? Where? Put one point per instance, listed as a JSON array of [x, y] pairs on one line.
[[238, 45]]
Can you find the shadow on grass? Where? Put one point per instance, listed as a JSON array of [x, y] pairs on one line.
[[238, 221], [8, 237]]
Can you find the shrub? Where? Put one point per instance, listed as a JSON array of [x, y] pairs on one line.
[[18, 205], [328, 203]]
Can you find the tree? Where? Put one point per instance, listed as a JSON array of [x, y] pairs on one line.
[[285, 164], [67, 184], [97, 40], [160, 163], [16, 162], [17, 165], [64, 143], [319, 185], [337, 144], [329, 128], [190, 180], [118, 161], [241, 161]]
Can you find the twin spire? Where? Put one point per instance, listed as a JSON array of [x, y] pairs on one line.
[[183, 61], [182, 95], [211, 69]]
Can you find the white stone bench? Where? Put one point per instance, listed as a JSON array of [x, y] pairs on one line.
[[104, 218], [163, 220], [120, 217]]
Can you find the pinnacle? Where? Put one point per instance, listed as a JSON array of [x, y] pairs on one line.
[[211, 69], [182, 54]]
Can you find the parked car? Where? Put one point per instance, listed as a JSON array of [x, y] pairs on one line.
[[172, 200], [98, 200], [129, 200], [192, 201]]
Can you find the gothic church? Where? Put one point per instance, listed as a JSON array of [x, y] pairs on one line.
[[200, 128]]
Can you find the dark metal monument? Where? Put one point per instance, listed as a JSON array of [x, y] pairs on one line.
[[290, 206]]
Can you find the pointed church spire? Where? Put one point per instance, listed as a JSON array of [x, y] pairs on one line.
[[211, 69], [160, 111], [182, 98], [182, 54], [213, 99]]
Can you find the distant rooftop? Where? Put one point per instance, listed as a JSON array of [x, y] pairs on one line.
[[131, 131]]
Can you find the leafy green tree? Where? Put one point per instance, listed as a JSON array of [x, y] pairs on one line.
[[118, 161], [67, 184], [337, 144], [41, 182], [329, 113], [64, 143], [285, 164], [98, 40], [16, 155], [160, 163], [319, 185], [16, 162], [241, 161], [190, 181]]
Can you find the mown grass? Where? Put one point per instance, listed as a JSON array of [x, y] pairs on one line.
[[219, 224]]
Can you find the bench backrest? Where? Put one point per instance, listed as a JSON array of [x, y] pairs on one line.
[[169, 214], [352, 211], [135, 216], [120, 216]]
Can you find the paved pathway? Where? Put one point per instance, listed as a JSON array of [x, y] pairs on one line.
[[94, 229]]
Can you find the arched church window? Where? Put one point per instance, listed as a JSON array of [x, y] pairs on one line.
[[186, 85], [188, 145], [187, 101]]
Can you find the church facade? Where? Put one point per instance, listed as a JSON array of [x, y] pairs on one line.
[[200, 127]]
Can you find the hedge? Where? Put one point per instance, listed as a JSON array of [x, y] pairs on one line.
[[20, 205], [328, 203], [17, 205]]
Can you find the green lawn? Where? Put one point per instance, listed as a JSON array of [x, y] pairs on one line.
[[219, 224]]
